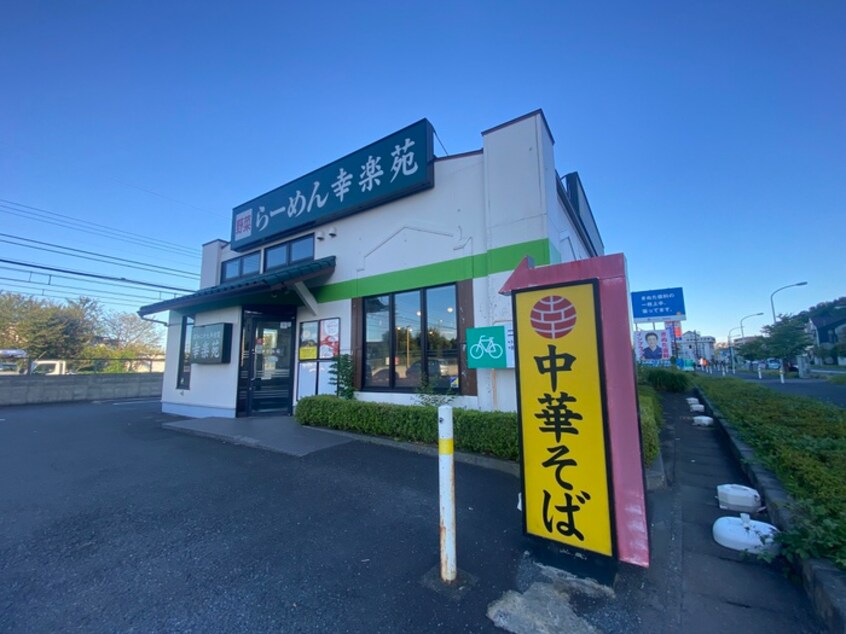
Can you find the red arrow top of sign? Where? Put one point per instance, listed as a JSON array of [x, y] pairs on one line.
[[527, 276]]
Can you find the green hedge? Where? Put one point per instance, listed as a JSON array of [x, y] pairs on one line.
[[664, 379], [491, 433], [651, 420], [803, 441]]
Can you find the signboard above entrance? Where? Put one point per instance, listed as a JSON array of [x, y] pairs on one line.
[[396, 166]]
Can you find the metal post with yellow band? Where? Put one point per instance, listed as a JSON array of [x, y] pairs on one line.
[[562, 413], [446, 482]]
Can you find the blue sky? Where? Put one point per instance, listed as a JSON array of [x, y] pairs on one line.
[[710, 136]]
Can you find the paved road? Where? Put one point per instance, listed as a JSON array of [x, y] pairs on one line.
[[110, 523], [819, 389]]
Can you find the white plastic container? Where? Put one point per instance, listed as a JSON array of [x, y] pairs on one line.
[[692, 400], [746, 535], [737, 497], [703, 421], [697, 408]]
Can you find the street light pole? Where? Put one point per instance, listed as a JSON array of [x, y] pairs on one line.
[[772, 304], [742, 336], [731, 349]]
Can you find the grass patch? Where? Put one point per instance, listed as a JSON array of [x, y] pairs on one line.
[[803, 441], [837, 379]]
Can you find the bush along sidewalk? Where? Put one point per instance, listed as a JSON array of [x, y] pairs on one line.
[[490, 433], [794, 451], [803, 442]]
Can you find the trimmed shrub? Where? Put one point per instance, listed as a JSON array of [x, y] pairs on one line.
[[665, 380], [491, 433], [651, 420], [803, 441]]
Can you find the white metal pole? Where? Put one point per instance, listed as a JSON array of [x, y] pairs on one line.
[[446, 479]]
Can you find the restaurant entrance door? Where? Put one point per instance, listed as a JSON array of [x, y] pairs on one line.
[[266, 373]]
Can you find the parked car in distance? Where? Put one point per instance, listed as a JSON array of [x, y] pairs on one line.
[[9, 368], [45, 367]]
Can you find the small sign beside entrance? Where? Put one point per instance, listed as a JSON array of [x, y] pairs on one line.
[[308, 340], [211, 343]]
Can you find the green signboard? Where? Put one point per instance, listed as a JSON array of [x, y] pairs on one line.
[[398, 165], [211, 343], [486, 347]]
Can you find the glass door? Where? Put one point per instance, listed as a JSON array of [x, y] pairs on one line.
[[266, 383]]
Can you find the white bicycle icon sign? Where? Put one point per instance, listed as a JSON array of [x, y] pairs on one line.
[[486, 346]]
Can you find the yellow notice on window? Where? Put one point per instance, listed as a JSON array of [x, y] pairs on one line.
[[562, 416]]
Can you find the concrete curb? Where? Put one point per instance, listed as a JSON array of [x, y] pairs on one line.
[[654, 474], [655, 478], [824, 583], [242, 441]]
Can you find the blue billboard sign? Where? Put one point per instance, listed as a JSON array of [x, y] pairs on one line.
[[666, 304], [398, 165]]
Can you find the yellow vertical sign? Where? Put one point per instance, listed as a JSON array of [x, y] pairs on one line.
[[562, 417]]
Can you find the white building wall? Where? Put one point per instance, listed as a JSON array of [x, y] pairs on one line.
[[214, 253], [502, 196], [439, 224], [214, 387]]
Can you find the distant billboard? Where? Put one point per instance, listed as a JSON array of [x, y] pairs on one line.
[[653, 345], [666, 304]]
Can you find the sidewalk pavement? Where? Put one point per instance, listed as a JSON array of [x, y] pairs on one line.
[[693, 585]]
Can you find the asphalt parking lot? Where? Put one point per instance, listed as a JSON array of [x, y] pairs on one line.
[[111, 523]]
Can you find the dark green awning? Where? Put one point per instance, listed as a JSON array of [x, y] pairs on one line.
[[246, 287]]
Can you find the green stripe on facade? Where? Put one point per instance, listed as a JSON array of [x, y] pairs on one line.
[[471, 266]]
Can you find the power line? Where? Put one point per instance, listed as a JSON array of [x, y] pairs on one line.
[[95, 275], [65, 297], [441, 142], [52, 276], [23, 214], [154, 193], [98, 257], [11, 281], [80, 221], [69, 222]]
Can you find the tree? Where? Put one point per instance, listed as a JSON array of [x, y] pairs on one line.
[[46, 329], [754, 348], [786, 338], [127, 331]]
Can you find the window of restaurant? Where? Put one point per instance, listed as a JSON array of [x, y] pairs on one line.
[[244, 266], [411, 340], [183, 378], [298, 250]]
